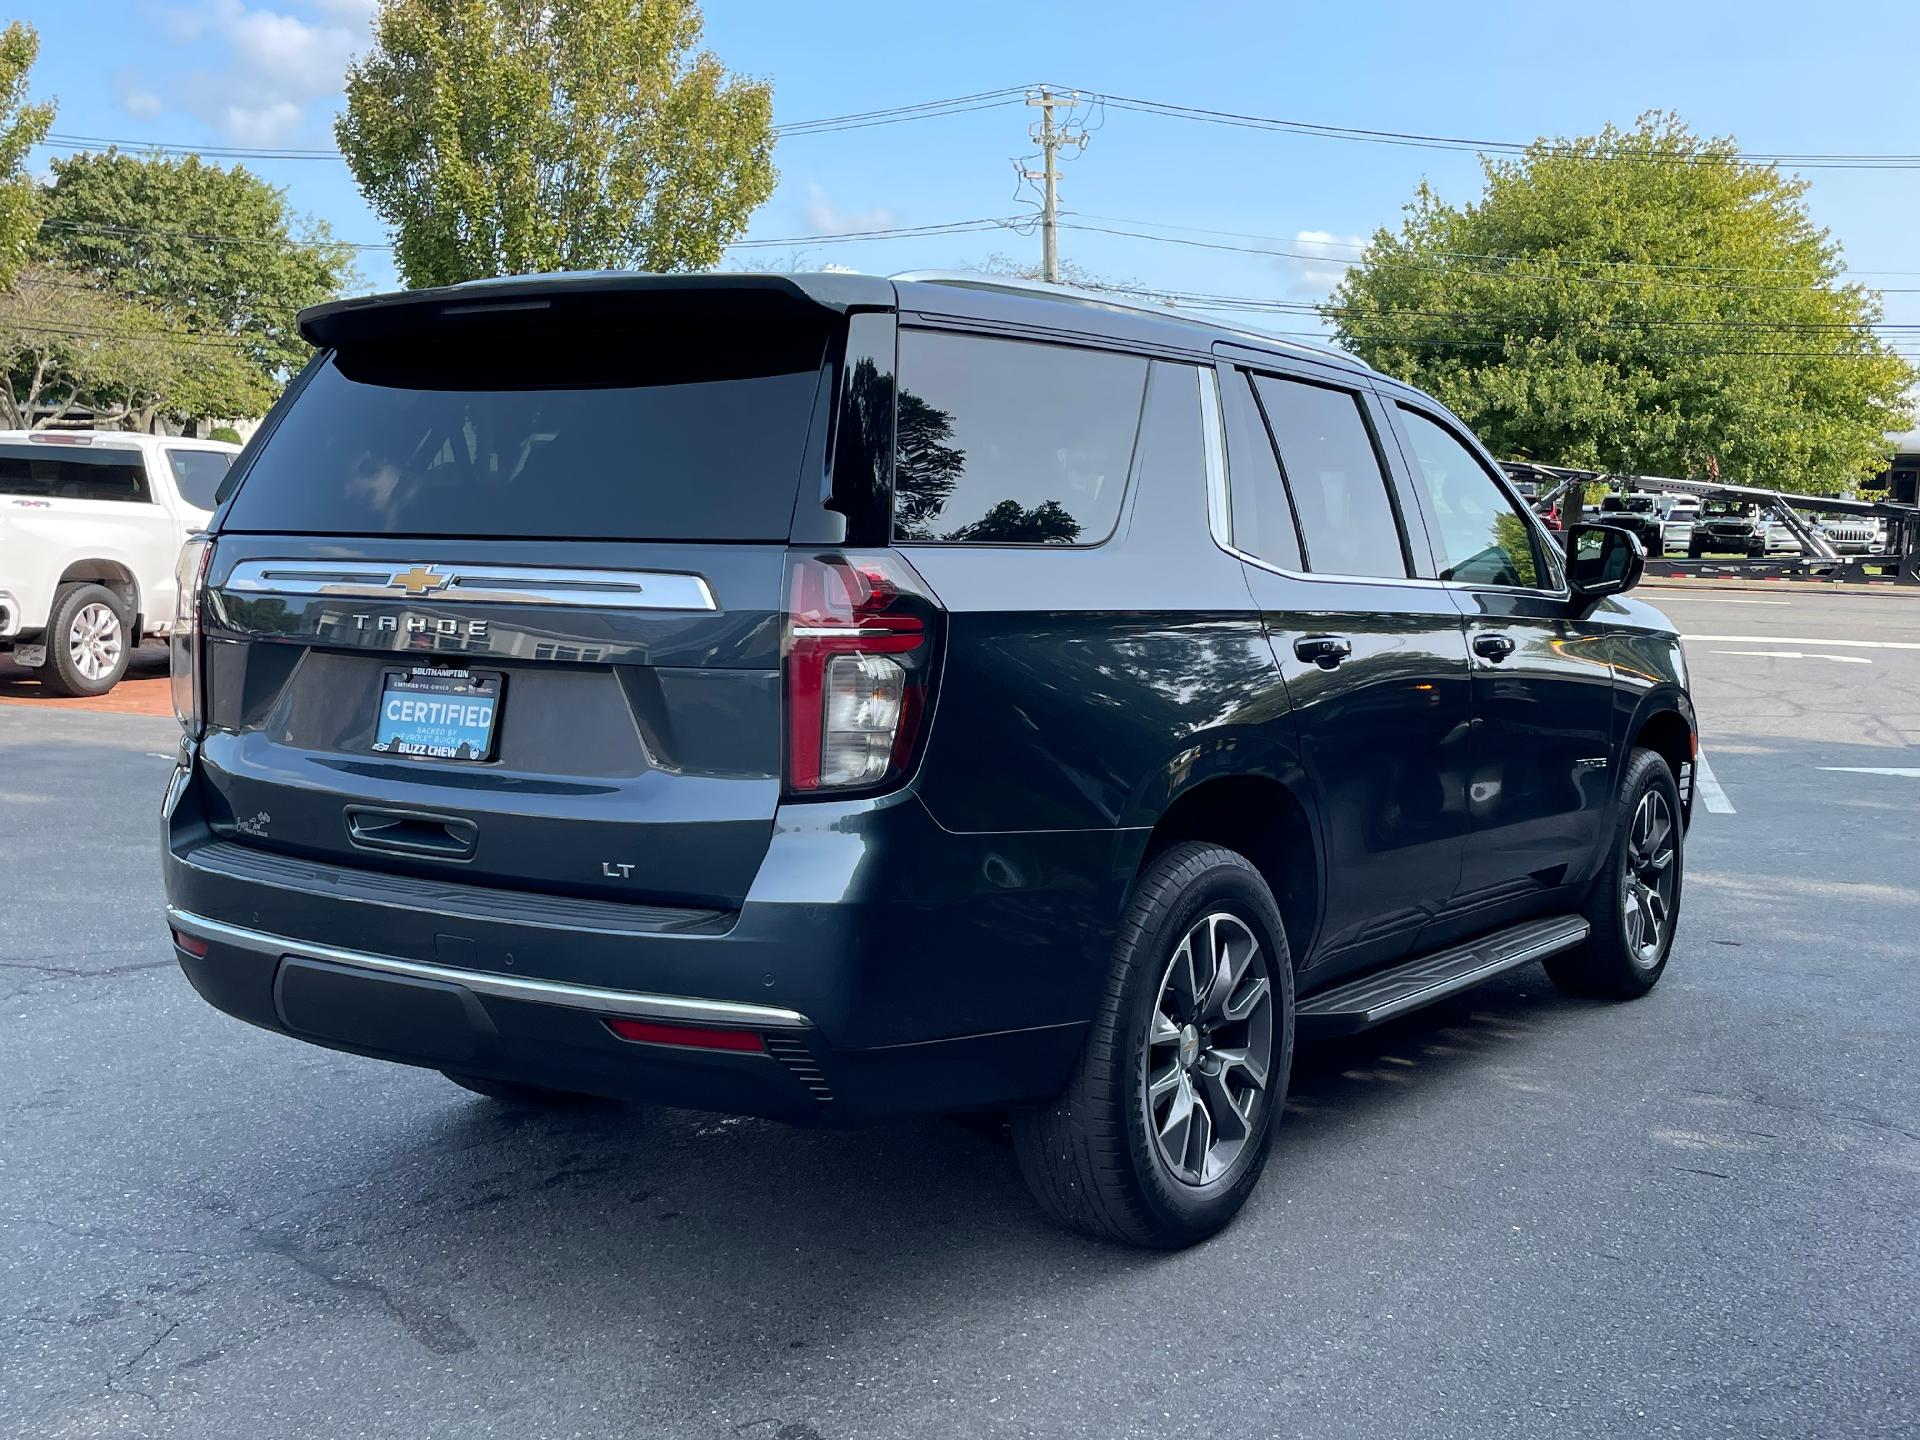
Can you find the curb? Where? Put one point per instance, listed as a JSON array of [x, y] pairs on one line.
[[1886, 591]]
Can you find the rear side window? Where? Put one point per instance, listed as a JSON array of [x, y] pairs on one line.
[[73, 474], [197, 474], [1333, 472], [625, 434], [1006, 442], [1262, 518]]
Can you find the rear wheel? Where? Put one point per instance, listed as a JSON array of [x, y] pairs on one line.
[[87, 645], [1163, 1129], [512, 1092], [1635, 902]]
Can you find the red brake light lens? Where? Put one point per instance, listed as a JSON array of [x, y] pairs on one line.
[[859, 670]]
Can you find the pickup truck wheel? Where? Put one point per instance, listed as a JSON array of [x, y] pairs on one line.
[[1163, 1129], [512, 1092], [1635, 902], [87, 646]]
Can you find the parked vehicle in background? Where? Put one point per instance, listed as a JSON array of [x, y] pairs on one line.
[[91, 523], [1848, 536], [1639, 515], [1726, 527], [1037, 706], [1781, 539], [1677, 514]]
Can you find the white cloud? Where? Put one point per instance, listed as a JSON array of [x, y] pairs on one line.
[[133, 97], [824, 217], [277, 62], [1328, 258]]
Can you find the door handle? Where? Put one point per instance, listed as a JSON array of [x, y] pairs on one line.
[[1493, 647], [411, 832], [1326, 651]]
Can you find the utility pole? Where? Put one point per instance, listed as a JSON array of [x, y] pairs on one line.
[[1051, 138]]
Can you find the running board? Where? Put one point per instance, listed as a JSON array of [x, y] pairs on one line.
[[1414, 983]]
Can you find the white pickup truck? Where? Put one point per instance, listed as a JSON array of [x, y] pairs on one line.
[[91, 523]]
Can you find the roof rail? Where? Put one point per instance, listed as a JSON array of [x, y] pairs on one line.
[[1121, 300]]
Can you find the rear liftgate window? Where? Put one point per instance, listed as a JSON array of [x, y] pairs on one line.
[[626, 431], [1006, 442]]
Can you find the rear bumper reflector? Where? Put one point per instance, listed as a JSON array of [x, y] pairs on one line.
[[691, 1037]]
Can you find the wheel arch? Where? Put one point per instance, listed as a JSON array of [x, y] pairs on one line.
[[1268, 821], [115, 575], [1664, 724]]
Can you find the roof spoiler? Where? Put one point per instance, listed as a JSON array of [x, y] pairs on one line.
[[371, 317]]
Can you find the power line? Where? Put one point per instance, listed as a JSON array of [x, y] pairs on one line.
[[823, 125], [892, 232], [1172, 110], [1165, 109], [1572, 262]]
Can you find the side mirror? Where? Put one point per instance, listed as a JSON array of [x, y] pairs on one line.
[[1604, 560]]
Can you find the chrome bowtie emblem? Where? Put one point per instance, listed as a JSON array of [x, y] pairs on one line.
[[420, 580]]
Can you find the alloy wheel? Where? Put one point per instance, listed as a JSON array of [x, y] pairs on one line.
[[94, 640], [1209, 1049], [1648, 878]]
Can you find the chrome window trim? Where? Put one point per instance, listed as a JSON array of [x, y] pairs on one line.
[[1220, 503], [505, 987], [477, 584]]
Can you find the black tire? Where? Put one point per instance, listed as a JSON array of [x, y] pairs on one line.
[[65, 672], [1694, 552], [1090, 1156], [1614, 962], [539, 1097]]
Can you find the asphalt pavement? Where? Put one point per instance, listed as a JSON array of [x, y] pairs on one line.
[[1516, 1214]]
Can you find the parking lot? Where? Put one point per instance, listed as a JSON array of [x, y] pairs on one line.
[[1515, 1214]]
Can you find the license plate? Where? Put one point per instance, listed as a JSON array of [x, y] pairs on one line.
[[439, 714]]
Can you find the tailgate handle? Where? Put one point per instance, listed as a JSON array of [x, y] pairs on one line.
[[411, 832]]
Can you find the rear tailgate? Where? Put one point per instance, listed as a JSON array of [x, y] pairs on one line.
[[576, 520]]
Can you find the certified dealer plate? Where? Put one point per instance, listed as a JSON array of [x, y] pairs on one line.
[[439, 714]]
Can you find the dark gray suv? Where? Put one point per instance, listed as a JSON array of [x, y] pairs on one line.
[[827, 698]]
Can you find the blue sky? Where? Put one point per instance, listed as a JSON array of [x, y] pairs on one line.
[[1783, 78]]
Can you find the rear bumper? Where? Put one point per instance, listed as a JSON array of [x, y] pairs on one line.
[[888, 966]]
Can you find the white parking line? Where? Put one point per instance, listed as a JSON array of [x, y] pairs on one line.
[[1806, 640], [1708, 788], [1796, 655], [1874, 770], [1717, 599]]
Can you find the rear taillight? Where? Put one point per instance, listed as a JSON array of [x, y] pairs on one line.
[[861, 635], [186, 661]]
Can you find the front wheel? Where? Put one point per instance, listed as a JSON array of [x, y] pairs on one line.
[[1163, 1129], [1635, 902]]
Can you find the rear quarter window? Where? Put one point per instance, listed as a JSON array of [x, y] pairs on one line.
[[1012, 442]]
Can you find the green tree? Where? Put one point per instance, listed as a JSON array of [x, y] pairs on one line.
[[515, 136], [21, 126], [212, 252], [66, 345], [1640, 301]]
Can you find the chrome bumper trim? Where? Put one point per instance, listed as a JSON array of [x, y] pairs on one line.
[[506, 987]]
